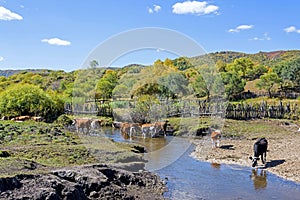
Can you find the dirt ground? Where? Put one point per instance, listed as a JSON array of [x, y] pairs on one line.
[[283, 156]]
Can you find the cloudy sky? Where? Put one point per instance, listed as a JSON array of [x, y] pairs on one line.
[[60, 34]]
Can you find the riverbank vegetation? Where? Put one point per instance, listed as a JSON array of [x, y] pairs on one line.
[[237, 77]]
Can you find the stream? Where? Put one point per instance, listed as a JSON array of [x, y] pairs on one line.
[[188, 178]]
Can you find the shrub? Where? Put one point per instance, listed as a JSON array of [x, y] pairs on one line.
[[26, 99]]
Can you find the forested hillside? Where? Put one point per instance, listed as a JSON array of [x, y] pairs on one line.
[[44, 92]]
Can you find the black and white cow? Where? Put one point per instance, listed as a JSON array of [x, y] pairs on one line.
[[260, 149]]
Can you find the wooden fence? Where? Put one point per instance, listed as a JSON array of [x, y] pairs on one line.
[[197, 108], [90, 107]]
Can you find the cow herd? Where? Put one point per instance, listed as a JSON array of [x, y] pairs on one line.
[[146, 130], [23, 118], [152, 130], [128, 130]]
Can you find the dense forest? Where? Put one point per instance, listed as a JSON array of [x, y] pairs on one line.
[[236, 75]]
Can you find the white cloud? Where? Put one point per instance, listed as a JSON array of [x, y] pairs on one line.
[[7, 15], [194, 7], [291, 29], [156, 8], [1, 58], [57, 41], [265, 37], [240, 28]]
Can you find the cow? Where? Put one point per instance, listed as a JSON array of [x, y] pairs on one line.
[[260, 149], [215, 138], [37, 119], [96, 124], [148, 129], [5, 118], [82, 123], [116, 124], [128, 129], [21, 118], [161, 127]]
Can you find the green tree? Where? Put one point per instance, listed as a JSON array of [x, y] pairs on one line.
[[268, 81], [182, 63], [94, 64], [145, 109], [289, 72], [173, 85], [28, 99], [234, 84], [241, 66], [106, 84], [221, 66], [200, 87]]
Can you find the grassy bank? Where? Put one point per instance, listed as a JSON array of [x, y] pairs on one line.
[[38, 147]]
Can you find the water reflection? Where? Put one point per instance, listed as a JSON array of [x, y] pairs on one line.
[[215, 165], [150, 144], [259, 179]]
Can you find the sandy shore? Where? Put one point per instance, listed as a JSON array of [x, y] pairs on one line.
[[283, 156]]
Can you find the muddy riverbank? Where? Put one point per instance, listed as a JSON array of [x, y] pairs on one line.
[[283, 156], [84, 182]]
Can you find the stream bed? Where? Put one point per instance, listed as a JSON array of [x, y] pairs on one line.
[[188, 178]]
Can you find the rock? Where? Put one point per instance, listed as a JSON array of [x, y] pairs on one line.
[[84, 182]]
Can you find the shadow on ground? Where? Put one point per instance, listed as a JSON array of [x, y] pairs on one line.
[[274, 163], [229, 147]]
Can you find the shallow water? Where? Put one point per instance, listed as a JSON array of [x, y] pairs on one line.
[[188, 178]]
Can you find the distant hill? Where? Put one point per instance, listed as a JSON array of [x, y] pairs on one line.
[[265, 58], [9, 72]]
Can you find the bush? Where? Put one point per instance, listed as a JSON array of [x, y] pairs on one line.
[[26, 99], [64, 120]]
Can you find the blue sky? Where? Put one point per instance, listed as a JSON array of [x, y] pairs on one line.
[[60, 34]]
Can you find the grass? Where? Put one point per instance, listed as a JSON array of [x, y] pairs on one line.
[[50, 146], [253, 129], [190, 125]]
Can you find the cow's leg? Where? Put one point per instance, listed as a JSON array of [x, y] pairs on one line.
[[218, 142], [143, 132], [132, 130], [264, 157], [212, 143]]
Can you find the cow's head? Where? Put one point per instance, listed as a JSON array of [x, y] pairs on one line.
[[254, 160]]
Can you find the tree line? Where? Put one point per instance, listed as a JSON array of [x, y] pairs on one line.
[[44, 93]]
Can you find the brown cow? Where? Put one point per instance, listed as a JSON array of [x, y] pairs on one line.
[[128, 129], [215, 138], [96, 124], [83, 123], [148, 128], [37, 119], [22, 118], [161, 127]]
